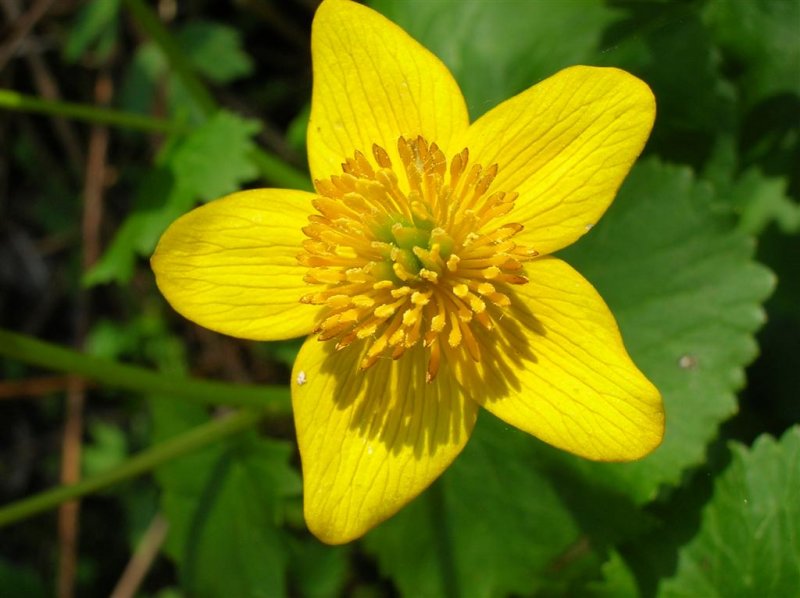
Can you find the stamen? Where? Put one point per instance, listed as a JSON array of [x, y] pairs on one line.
[[419, 257]]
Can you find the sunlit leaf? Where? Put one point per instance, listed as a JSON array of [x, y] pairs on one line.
[[687, 293], [215, 159]]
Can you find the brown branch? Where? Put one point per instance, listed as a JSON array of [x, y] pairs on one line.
[[142, 559], [575, 551], [69, 513], [22, 27], [95, 178], [34, 387]]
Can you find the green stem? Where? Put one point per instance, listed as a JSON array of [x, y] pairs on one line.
[[278, 172], [180, 65], [16, 101], [273, 399], [137, 465], [274, 170]]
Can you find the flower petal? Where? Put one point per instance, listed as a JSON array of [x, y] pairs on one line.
[[565, 145], [370, 441], [558, 370], [231, 266], [372, 84]]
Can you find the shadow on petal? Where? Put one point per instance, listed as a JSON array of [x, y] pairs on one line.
[[371, 440], [391, 402], [560, 371], [506, 351]]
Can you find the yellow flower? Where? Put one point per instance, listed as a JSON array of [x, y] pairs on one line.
[[422, 269]]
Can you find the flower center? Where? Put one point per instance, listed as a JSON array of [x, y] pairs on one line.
[[422, 260]]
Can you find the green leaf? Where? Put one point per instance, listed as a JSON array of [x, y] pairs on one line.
[[142, 74], [316, 570], [182, 481], [761, 37], [215, 50], [235, 546], [108, 448], [762, 200], [618, 580], [160, 200], [225, 506], [96, 24], [215, 159], [497, 49], [758, 199], [749, 538], [686, 293], [224, 503], [491, 526]]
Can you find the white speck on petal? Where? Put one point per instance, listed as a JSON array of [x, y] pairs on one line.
[[588, 227], [301, 378]]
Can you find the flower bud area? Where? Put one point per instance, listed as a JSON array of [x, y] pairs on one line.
[[420, 253]]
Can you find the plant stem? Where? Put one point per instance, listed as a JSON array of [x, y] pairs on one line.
[[278, 172], [137, 465], [16, 101], [273, 399], [274, 170]]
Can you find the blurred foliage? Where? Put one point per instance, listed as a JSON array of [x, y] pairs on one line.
[[713, 512]]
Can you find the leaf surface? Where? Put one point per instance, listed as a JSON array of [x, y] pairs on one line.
[[749, 538], [687, 296]]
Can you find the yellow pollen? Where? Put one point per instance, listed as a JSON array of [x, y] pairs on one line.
[[412, 253], [460, 290]]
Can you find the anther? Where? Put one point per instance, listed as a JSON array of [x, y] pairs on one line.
[[415, 258]]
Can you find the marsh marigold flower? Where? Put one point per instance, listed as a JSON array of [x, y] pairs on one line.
[[422, 269]]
